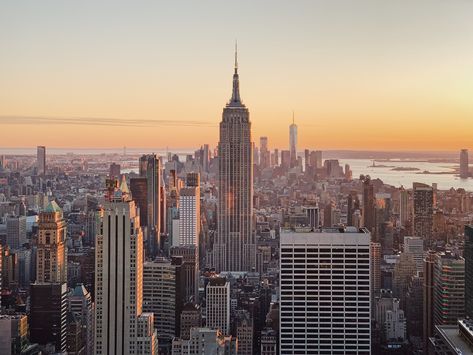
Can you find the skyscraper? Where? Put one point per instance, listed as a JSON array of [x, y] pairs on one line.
[[449, 289], [150, 167], [464, 171], [16, 231], [293, 142], [265, 156], [41, 159], [189, 211], [218, 304], [468, 255], [368, 204], [325, 292], [423, 210], [120, 325], [235, 248], [51, 260]]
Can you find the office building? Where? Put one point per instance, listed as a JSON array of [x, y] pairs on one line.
[[51, 258], [13, 334], [293, 142], [41, 160], [415, 246], [190, 270], [48, 312], [464, 169], [162, 295], [16, 231], [405, 212], [265, 155], [115, 171], [81, 305], [313, 216], [375, 257], [234, 248], [325, 291], [218, 304], [423, 211], [468, 255], [120, 325], [191, 317], [150, 168], [244, 332], [368, 204], [449, 289], [428, 297], [139, 193], [189, 212]]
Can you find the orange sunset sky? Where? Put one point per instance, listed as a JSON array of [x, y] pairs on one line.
[[373, 75]]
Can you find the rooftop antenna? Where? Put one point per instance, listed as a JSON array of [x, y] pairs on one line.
[[292, 116], [236, 56]]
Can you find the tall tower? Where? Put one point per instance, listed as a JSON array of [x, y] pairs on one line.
[[51, 258], [41, 159], [234, 249], [464, 170], [293, 142], [423, 210], [150, 168], [120, 325]]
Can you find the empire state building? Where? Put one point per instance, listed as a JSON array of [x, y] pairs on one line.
[[235, 248]]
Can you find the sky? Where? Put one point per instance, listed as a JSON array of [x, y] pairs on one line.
[[376, 75]]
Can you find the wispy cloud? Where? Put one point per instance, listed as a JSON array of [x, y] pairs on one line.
[[100, 121]]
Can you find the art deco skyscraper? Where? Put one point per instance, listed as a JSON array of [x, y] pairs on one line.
[[235, 249], [51, 258]]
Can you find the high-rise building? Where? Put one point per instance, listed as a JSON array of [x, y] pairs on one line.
[[16, 231], [404, 211], [423, 210], [41, 160], [428, 296], [190, 318], [120, 325], [464, 170], [293, 142], [162, 295], [139, 193], [449, 289], [368, 205], [218, 304], [265, 155], [235, 249], [375, 251], [115, 171], [415, 246], [244, 332], [325, 291], [51, 258], [13, 334], [150, 167], [313, 217], [189, 212], [81, 305], [48, 313], [468, 255], [190, 270]]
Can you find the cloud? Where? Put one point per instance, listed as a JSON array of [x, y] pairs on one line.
[[100, 121]]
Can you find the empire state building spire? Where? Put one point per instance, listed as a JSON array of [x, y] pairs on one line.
[[235, 101]]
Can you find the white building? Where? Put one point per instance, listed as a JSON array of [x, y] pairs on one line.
[[415, 246], [390, 318], [325, 291], [121, 328], [189, 215], [218, 304]]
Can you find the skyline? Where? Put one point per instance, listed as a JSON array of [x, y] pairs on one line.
[[397, 77]]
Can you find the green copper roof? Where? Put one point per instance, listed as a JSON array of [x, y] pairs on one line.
[[52, 207]]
